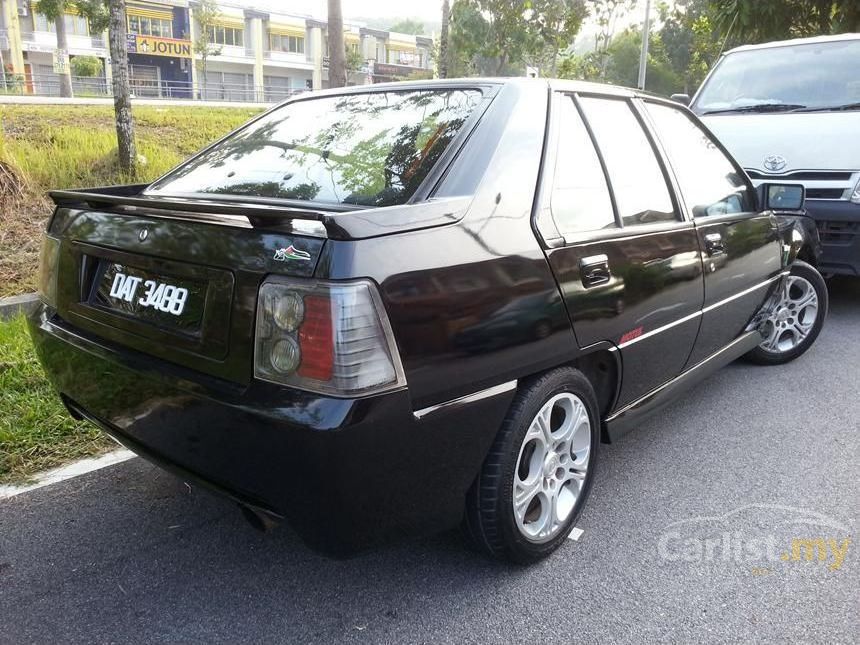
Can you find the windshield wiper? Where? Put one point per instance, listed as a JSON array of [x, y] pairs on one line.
[[759, 107], [833, 108]]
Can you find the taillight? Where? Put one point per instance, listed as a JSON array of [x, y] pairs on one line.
[[327, 337]]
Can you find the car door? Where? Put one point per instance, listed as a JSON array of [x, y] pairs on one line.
[[627, 262], [740, 247]]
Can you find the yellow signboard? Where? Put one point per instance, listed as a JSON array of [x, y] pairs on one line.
[[159, 46]]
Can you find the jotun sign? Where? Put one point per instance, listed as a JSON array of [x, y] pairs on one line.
[[154, 46]]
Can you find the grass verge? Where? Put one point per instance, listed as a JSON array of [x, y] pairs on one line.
[[73, 146], [36, 431]]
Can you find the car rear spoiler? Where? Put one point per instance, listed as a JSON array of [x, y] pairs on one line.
[[336, 221]]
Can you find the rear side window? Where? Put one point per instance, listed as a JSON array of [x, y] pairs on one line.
[[370, 149], [709, 182], [580, 197], [637, 181]]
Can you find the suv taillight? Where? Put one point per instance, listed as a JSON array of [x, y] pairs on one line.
[[327, 337]]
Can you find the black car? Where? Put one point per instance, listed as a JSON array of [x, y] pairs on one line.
[[389, 310]]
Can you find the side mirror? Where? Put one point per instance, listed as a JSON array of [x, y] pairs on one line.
[[683, 99], [782, 197]]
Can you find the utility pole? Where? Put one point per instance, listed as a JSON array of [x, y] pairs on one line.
[[643, 56]]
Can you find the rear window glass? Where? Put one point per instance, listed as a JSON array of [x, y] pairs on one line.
[[371, 149]]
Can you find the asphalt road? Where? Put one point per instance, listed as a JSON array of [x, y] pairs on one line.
[[684, 539]]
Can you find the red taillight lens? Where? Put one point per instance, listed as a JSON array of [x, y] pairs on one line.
[[327, 337], [316, 341]]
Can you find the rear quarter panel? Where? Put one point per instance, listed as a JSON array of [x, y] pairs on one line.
[[472, 304]]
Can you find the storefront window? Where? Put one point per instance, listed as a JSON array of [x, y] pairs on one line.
[[145, 26]]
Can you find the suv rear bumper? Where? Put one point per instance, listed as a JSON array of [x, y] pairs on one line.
[[345, 472], [839, 228]]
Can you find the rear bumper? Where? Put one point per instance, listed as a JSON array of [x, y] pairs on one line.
[[839, 228], [346, 473]]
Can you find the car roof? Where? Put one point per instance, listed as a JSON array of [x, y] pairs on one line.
[[563, 85], [796, 41]]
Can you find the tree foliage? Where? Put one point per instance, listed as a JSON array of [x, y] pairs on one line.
[[206, 13], [764, 20], [86, 66], [606, 14], [691, 40], [408, 26], [620, 66], [501, 36]]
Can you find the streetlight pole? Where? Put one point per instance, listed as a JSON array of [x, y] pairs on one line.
[[643, 56]]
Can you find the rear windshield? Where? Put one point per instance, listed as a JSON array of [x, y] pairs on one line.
[[371, 149], [813, 75]]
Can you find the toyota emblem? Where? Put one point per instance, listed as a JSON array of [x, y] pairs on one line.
[[144, 233], [774, 163]]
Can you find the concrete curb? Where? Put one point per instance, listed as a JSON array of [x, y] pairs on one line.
[[69, 471], [13, 305]]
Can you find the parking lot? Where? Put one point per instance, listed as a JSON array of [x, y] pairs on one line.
[[130, 554]]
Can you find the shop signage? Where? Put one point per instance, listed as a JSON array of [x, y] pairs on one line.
[[154, 46]]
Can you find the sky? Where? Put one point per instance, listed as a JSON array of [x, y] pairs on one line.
[[425, 10], [429, 10]]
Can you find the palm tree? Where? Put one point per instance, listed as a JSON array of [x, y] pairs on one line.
[[336, 49], [117, 31], [443, 40]]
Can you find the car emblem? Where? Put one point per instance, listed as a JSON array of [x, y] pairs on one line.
[[774, 163], [291, 253], [144, 233]]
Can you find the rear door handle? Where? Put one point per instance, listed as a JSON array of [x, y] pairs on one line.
[[594, 270], [714, 244]]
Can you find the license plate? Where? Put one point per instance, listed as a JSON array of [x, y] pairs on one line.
[[152, 297], [158, 295]]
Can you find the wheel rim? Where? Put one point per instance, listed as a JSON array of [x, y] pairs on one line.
[[793, 317], [551, 467]]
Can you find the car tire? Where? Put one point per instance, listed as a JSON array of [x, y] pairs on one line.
[[797, 319], [547, 449]]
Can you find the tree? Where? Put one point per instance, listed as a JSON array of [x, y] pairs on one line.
[[556, 23], [110, 15], [408, 26], [499, 36], [509, 34], [764, 20], [443, 39], [691, 40], [89, 66], [206, 13], [56, 10], [118, 37], [354, 61], [468, 32], [336, 48], [606, 14], [623, 63]]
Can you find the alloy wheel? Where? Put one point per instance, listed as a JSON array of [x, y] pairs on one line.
[[551, 467], [793, 318]]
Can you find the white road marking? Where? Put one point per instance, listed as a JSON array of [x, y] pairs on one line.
[[74, 469], [575, 534]]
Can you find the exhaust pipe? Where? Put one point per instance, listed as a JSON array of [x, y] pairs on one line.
[[260, 520]]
